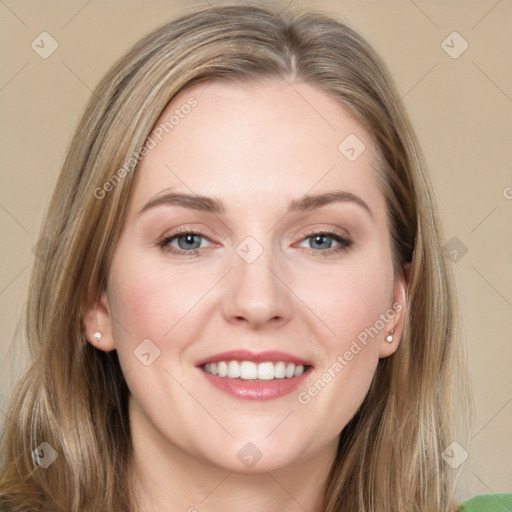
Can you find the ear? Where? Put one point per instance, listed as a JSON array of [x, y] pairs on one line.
[[96, 318], [395, 326]]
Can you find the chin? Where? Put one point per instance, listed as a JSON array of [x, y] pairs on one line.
[[253, 457]]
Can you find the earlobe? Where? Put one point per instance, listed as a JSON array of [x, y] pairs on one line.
[[97, 324], [393, 331]]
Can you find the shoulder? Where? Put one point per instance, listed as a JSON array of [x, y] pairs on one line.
[[488, 503]]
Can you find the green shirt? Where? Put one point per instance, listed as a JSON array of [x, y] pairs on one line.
[[488, 503]]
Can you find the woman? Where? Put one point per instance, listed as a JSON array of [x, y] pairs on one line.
[[243, 301]]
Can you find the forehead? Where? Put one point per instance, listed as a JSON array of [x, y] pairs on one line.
[[267, 142]]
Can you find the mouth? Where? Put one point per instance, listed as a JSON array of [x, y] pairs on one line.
[[255, 376], [249, 370]]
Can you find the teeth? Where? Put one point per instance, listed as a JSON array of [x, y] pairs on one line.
[[279, 370], [290, 370], [266, 371], [248, 370], [222, 368], [233, 370]]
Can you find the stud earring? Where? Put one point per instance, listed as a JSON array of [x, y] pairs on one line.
[[389, 337], [97, 335]]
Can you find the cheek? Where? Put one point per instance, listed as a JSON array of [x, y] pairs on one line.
[[353, 299], [148, 300], [138, 305]]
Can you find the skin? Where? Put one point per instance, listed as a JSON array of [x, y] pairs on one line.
[[255, 148]]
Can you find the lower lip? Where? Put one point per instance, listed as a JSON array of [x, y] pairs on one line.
[[256, 390]]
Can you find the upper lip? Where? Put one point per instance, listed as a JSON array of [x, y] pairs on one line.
[[257, 357]]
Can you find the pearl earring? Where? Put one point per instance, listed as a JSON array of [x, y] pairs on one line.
[[97, 335], [389, 337]]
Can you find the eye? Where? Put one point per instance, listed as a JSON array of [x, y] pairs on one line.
[[185, 242], [326, 242]]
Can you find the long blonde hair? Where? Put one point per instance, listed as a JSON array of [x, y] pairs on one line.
[[74, 397]]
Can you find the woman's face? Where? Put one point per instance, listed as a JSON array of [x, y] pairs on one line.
[[255, 244]]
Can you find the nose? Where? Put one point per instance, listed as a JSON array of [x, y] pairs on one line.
[[257, 294]]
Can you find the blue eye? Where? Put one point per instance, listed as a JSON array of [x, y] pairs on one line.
[[188, 241], [323, 242], [185, 242]]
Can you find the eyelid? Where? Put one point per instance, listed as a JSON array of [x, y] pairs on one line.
[[344, 240], [325, 231], [187, 230], [164, 241]]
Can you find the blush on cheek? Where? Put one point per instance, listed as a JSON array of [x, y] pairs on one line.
[[146, 310], [137, 302], [151, 305], [130, 305]]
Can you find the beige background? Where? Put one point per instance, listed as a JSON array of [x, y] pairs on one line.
[[461, 108]]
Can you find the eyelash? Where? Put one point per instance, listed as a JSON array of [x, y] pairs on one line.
[[343, 242], [164, 243]]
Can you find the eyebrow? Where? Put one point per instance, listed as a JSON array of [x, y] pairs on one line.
[[190, 201], [313, 201], [215, 206]]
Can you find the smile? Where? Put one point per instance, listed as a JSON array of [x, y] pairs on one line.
[[248, 375], [249, 370]]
